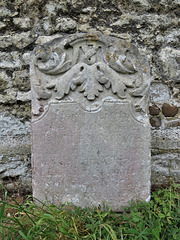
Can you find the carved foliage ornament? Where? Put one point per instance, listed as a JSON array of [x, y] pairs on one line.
[[96, 66]]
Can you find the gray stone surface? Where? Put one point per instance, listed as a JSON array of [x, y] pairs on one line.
[[23, 23], [159, 92], [90, 130], [14, 136], [166, 139], [20, 41], [152, 25], [164, 167], [14, 154], [88, 158], [65, 24], [10, 60]]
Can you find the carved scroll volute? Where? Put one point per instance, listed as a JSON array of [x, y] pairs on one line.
[[92, 66]]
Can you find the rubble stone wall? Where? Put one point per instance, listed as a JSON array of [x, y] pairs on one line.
[[153, 25]]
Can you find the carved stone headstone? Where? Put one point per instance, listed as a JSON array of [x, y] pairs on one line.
[[90, 129]]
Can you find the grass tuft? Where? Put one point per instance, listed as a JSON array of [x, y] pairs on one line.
[[157, 220]]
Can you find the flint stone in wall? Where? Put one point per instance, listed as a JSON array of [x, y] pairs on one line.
[[90, 128], [154, 110], [155, 121], [169, 110]]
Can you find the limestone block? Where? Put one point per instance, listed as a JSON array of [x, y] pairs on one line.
[[170, 59], [7, 93], [19, 109], [12, 168], [90, 127], [15, 153], [23, 23], [2, 25], [21, 80], [159, 92], [10, 60], [65, 24], [14, 136], [8, 97], [15, 172], [5, 81], [125, 20], [164, 167], [166, 139], [11, 126], [5, 12], [174, 3], [156, 21], [48, 26], [51, 8], [19, 40], [43, 39], [24, 96], [172, 123], [142, 3], [170, 37]]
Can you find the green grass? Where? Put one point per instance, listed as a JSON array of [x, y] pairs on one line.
[[158, 219]]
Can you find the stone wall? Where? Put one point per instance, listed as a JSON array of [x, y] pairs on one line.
[[153, 25]]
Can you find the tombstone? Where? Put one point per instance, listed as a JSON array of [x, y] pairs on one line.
[[90, 128]]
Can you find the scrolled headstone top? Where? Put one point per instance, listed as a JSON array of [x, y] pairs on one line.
[[90, 129], [89, 68]]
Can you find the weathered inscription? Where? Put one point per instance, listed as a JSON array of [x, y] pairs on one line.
[[90, 131]]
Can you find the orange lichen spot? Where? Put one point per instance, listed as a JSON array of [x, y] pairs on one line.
[[40, 51], [91, 37], [114, 56], [108, 57], [144, 68], [119, 43], [128, 45]]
